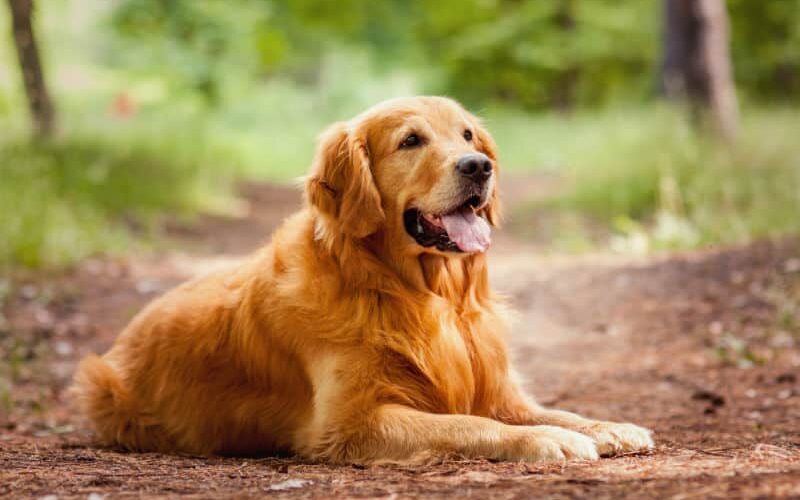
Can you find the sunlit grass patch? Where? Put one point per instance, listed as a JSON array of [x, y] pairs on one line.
[[659, 183], [88, 191]]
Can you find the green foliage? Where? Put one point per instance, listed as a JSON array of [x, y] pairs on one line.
[[530, 53], [545, 54], [197, 44], [568, 53], [765, 42]]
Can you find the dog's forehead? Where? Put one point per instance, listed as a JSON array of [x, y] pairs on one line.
[[395, 113]]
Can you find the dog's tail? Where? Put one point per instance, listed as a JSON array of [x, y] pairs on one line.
[[101, 395]]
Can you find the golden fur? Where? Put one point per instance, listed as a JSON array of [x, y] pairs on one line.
[[342, 340]]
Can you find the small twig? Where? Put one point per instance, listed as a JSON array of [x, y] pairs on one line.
[[714, 451]]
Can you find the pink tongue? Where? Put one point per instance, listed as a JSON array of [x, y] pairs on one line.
[[470, 232]]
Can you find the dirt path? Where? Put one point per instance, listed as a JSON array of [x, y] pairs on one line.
[[702, 348]]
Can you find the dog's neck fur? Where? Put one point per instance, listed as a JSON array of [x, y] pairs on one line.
[[374, 263], [461, 280]]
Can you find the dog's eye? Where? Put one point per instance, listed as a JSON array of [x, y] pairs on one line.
[[468, 135], [411, 141]]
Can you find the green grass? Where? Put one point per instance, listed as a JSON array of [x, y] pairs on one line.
[[89, 191], [659, 183]]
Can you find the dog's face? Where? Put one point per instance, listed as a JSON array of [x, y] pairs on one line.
[[423, 170]]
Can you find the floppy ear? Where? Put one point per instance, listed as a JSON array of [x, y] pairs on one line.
[[341, 185], [486, 145]]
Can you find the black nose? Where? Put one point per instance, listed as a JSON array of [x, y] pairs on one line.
[[475, 166]]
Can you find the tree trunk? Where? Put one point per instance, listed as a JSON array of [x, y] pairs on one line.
[[30, 67], [697, 64], [563, 95]]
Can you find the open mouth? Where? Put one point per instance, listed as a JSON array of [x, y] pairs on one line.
[[461, 229]]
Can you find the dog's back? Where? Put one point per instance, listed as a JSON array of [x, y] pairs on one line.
[[197, 372]]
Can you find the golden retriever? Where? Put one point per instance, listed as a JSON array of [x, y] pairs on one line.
[[364, 332]]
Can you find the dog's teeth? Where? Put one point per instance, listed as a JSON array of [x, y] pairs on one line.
[[435, 220]]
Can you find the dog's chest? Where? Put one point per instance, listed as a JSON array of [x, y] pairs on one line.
[[461, 366]]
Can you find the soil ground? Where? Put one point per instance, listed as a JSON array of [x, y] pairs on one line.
[[703, 348]]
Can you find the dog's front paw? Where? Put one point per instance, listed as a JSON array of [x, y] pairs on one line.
[[545, 443], [613, 438]]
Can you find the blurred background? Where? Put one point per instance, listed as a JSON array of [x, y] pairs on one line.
[[646, 125], [146, 142]]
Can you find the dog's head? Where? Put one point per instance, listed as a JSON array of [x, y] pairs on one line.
[[421, 170]]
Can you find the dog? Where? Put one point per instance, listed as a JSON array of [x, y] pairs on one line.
[[364, 332]]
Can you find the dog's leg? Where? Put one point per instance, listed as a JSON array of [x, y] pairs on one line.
[[610, 437], [395, 433]]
